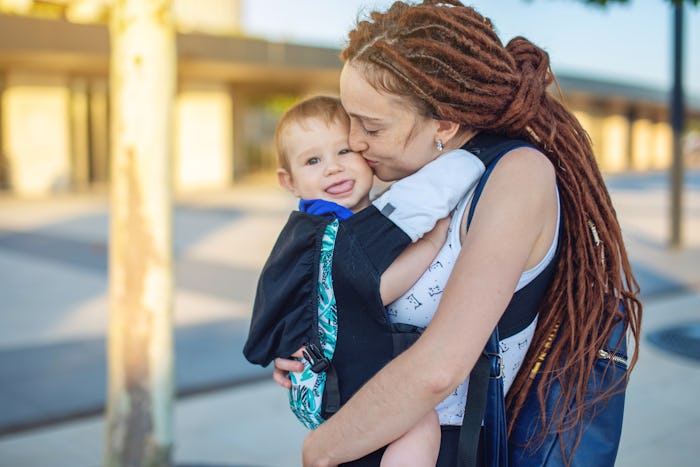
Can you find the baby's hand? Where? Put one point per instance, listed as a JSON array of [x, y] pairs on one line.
[[284, 365], [438, 235]]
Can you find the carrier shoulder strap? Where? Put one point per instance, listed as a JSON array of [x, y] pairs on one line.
[[489, 148]]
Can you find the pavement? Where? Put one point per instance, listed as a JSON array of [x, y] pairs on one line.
[[228, 413]]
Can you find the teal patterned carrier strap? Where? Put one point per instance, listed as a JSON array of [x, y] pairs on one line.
[[306, 394]]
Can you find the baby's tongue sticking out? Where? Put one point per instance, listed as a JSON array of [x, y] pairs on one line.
[[341, 187]]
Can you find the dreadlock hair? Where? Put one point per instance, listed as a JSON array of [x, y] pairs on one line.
[[447, 61]]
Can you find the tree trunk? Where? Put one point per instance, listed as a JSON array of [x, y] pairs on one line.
[[139, 428]]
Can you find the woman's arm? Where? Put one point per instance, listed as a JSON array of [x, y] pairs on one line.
[[412, 263], [506, 237]]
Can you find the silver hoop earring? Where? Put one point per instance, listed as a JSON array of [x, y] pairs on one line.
[[439, 145]]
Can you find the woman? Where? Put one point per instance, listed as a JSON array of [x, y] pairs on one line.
[[436, 74]]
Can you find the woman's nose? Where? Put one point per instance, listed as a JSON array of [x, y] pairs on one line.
[[356, 139]]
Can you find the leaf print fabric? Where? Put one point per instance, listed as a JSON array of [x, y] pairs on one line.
[[306, 394]]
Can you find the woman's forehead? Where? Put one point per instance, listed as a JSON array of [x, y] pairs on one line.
[[361, 100], [355, 90]]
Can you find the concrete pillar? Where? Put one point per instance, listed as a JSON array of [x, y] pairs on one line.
[[79, 133], [4, 163], [239, 156], [642, 144], [662, 145], [586, 121], [36, 132], [203, 146], [614, 143], [99, 132], [591, 122]]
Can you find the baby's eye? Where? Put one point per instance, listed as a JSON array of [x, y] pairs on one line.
[[344, 151], [313, 161]]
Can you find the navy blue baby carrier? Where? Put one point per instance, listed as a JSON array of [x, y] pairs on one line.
[[287, 304]]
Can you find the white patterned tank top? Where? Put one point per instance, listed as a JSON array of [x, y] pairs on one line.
[[418, 305]]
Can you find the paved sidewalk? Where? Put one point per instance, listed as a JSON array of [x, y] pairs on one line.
[[251, 425], [53, 271], [52, 279]]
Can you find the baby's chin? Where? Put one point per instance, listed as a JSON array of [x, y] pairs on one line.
[[358, 207]]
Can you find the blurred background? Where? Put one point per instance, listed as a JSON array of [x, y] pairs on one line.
[[240, 64]]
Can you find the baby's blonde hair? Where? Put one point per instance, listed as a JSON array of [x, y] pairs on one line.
[[326, 109]]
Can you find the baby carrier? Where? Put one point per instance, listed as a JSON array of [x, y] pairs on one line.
[[320, 288], [349, 346]]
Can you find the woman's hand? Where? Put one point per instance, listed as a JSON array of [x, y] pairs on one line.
[[284, 365]]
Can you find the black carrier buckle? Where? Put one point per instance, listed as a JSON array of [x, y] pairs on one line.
[[318, 361]]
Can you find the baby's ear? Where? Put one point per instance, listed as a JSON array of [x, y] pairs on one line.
[[285, 180]]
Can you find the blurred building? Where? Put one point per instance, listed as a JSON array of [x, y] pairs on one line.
[[54, 99]]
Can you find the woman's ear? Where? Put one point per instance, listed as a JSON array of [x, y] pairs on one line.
[[446, 130], [285, 180]]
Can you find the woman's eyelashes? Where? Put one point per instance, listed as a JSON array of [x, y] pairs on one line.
[[361, 124]]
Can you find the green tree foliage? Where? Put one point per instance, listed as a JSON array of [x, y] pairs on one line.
[[605, 2]]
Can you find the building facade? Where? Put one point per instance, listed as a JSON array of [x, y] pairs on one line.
[[54, 104]]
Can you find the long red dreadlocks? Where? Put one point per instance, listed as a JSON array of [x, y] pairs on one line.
[[447, 60]]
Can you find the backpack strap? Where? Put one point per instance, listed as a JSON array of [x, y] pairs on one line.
[[485, 380], [489, 146]]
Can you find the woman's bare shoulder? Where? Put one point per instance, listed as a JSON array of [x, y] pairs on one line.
[[527, 164], [520, 193], [522, 185]]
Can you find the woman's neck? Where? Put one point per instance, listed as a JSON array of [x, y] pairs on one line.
[[460, 138]]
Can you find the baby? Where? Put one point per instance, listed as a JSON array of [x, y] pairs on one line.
[[330, 179]]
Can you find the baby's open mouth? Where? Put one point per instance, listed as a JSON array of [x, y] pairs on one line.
[[340, 187]]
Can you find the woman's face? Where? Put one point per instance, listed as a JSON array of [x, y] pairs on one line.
[[394, 139]]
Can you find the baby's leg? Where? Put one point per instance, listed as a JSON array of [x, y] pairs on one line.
[[417, 447]]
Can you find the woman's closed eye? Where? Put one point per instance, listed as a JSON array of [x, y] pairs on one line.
[[354, 120]]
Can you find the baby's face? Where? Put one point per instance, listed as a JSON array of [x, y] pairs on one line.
[[323, 166]]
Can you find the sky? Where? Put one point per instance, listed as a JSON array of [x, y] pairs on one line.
[[628, 43]]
